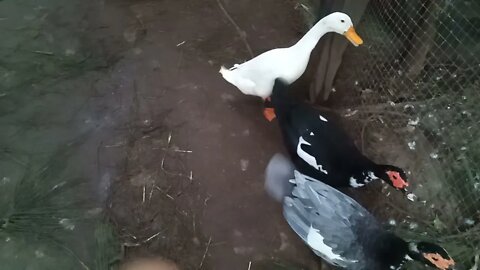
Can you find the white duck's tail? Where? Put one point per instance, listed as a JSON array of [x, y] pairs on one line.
[[233, 77], [277, 177]]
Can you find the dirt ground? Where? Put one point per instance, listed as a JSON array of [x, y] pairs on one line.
[[191, 183]]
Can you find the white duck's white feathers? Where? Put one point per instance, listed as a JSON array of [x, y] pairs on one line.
[[256, 76]]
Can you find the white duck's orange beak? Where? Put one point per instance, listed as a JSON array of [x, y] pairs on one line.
[[353, 37]]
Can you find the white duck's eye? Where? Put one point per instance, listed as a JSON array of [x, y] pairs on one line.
[[342, 21]]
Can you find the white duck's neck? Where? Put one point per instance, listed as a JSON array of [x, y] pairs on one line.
[[308, 42]]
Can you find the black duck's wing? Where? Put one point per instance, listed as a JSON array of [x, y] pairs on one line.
[[311, 135]]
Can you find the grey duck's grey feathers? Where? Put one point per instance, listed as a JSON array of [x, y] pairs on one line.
[[277, 175], [343, 223]]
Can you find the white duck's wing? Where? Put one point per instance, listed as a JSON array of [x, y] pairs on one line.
[[328, 221], [256, 76]]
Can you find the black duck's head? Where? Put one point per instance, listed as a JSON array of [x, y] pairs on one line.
[[432, 255], [394, 176]]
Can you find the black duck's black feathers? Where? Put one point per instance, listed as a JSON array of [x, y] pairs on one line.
[[325, 140]]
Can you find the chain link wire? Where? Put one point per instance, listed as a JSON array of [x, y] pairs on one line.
[[411, 95]]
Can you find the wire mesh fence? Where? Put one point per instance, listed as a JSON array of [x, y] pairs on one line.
[[411, 95]]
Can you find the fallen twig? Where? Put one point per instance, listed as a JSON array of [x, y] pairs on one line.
[[115, 145], [151, 193], [43, 53], [151, 237], [205, 253], [206, 200], [181, 43], [193, 224], [241, 33], [176, 150]]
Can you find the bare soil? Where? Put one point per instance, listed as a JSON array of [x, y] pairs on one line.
[[191, 183]]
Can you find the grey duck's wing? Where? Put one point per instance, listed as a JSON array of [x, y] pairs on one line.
[[328, 221]]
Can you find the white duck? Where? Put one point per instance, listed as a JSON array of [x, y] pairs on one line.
[[256, 76]]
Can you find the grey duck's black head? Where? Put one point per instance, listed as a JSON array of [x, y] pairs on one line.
[[432, 255]]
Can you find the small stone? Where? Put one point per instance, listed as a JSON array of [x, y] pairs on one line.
[[413, 122], [244, 164], [155, 64], [413, 226], [196, 241], [227, 97], [137, 51], [476, 185], [70, 52], [5, 180], [242, 250], [130, 34], [284, 241], [67, 224], [39, 254], [412, 145], [469, 222]]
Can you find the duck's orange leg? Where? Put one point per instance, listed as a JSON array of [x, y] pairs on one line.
[[268, 112]]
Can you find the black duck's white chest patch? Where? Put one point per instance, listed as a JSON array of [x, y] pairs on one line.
[[398, 267], [355, 183], [370, 177], [366, 178], [322, 118]]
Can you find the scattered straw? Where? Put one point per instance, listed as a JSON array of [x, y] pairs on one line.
[[166, 150], [165, 193]]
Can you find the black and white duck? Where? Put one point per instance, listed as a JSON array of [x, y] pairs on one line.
[[340, 230], [321, 149]]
